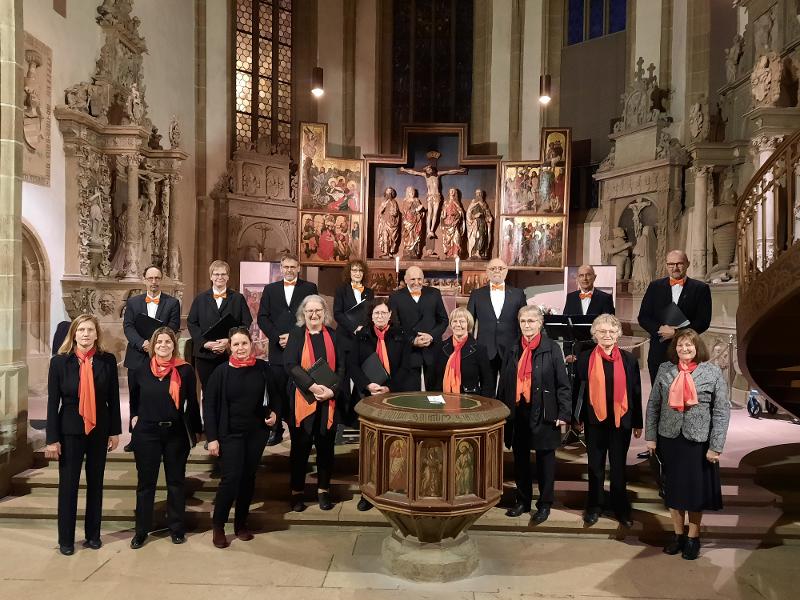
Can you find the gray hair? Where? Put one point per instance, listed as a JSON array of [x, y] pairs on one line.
[[606, 319], [327, 319], [531, 308]]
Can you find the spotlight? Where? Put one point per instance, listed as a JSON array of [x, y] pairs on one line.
[[316, 82], [544, 89]]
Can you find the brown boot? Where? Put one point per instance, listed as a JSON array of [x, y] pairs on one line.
[[243, 533], [219, 539]]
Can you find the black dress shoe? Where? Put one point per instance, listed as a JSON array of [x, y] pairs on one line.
[[324, 500], [178, 538], [274, 438], [691, 549], [676, 544], [66, 550], [541, 515], [128, 447], [138, 541], [518, 509], [625, 521], [297, 503], [590, 518], [93, 544], [364, 504]]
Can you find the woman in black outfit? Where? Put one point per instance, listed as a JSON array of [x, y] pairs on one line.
[[82, 420], [312, 406], [238, 418], [165, 417], [351, 293], [462, 365]]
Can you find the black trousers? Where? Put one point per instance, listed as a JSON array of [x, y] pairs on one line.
[[205, 367], [302, 441], [280, 405], [522, 444], [73, 450], [602, 441], [495, 364], [152, 444], [239, 457]]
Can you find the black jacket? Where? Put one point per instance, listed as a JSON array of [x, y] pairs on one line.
[[216, 404], [551, 396], [476, 375], [632, 419], [144, 384], [276, 318], [168, 312], [428, 315], [343, 300], [398, 346], [496, 335], [62, 396], [204, 314], [694, 302], [600, 304]]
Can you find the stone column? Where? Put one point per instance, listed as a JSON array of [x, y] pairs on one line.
[[699, 222], [173, 251], [133, 237], [764, 146], [14, 453], [796, 203]]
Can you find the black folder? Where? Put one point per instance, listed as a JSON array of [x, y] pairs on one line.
[[673, 316], [145, 325], [357, 314], [220, 329], [321, 373], [374, 370]]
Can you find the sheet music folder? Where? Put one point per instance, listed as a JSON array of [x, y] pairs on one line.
[[575, 328], [374, 370], [220, 329], [357, 314], [673, 316], [145, 325]]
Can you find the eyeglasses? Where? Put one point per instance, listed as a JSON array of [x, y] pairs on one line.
[[313, 311], [529, 321], [677, 264], [356, 270], [218, 275], [496, 269], [289, 267], [381, 313], [606, 332], [153, 279]]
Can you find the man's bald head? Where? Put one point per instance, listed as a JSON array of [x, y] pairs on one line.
[[414, 278], [677, 264], [497, 270], [585, 277]]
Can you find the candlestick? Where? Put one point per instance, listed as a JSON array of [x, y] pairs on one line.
[[458, 263], [397, 264]]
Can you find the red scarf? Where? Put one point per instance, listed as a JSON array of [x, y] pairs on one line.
[[237, 363], [87, 405], [161, 368], [380, 347], [525, 368], [597, 384], [682, 392], [452, 370], [302, 408]]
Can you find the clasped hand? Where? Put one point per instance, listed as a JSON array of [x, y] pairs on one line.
[[665, 332], [217, 346], [321, 392], [374, 388], [423, 340]]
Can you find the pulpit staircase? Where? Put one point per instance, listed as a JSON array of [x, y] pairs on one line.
[[768, 253]]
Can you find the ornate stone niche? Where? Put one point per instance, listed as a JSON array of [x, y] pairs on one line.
[[36, 111], [120, 182]]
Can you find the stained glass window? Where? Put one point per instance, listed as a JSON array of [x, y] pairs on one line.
[[575, 22], [596, 21], [263, 65], [617, 15], [590, 19]]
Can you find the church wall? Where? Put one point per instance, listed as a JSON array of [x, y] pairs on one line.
[[648, 32], [531, 69], [330, 53], [500, 99], [366, 76], [218, 104], [677, 82]]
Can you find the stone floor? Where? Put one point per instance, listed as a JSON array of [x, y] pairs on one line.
[[307, 563]]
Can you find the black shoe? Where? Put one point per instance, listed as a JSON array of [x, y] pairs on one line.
[[93, 544], [66, 550], [541, 515], [691, 549], [364, 504], [324, 499], [590, 518], [625, 521], [644, 454], [676, 544], [297, 503], [128, 447], [178, 538], [518, 509], [275, 438], [138, 541]]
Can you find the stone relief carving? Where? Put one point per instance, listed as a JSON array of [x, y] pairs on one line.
[[642, 102], [733, 57], [608, 162], [36, 111], [174, 133], [618, 251], [722, 223], [762, 33], [698, 123], [669, 147], [94, 213], [773, 81], [644, 259]]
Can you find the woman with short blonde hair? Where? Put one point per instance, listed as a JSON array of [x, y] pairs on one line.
[[462, 364]]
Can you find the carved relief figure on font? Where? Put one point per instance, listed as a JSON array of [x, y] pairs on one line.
[[413, 218], [465, 469], [388, 224], [398, 466], [431, 483], [479, 226], [453, 224]]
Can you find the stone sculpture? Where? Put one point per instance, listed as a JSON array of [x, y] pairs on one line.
[[174, 133], [479, 226], [388, 224], [619, 253], [733, 56], [644, 259], [722, 223]]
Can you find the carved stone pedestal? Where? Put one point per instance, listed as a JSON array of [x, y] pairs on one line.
[[447, 560]]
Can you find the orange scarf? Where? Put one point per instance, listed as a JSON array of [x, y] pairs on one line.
[[87, 404], [525, 368], [597, 384], [237, 363], [452, 370], [380, 348], [161, 368], [302, 408], [682, 392]]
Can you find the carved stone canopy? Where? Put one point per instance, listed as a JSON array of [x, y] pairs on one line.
[[642, 103]]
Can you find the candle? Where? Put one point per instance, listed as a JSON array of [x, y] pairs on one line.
[[397, 264], [458, 263]]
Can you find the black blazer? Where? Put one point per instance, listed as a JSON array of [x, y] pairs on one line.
[[632, 419], [694, 302], [62, 396], [216, 405], [292, 357], [144, 384], [601, 303], [398, 346], [428, 315], [551, 397], [168, 312], [496, 335], [476, 375], [276, 318], [204, 314], [343, 300]]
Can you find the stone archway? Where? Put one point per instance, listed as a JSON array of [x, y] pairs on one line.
[[35, 314]]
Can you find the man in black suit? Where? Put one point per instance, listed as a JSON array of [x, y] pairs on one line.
[[693, 298], [420, 312], [277, 316], [586, 300], [495, 307], [156, 305], [206, 310]]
